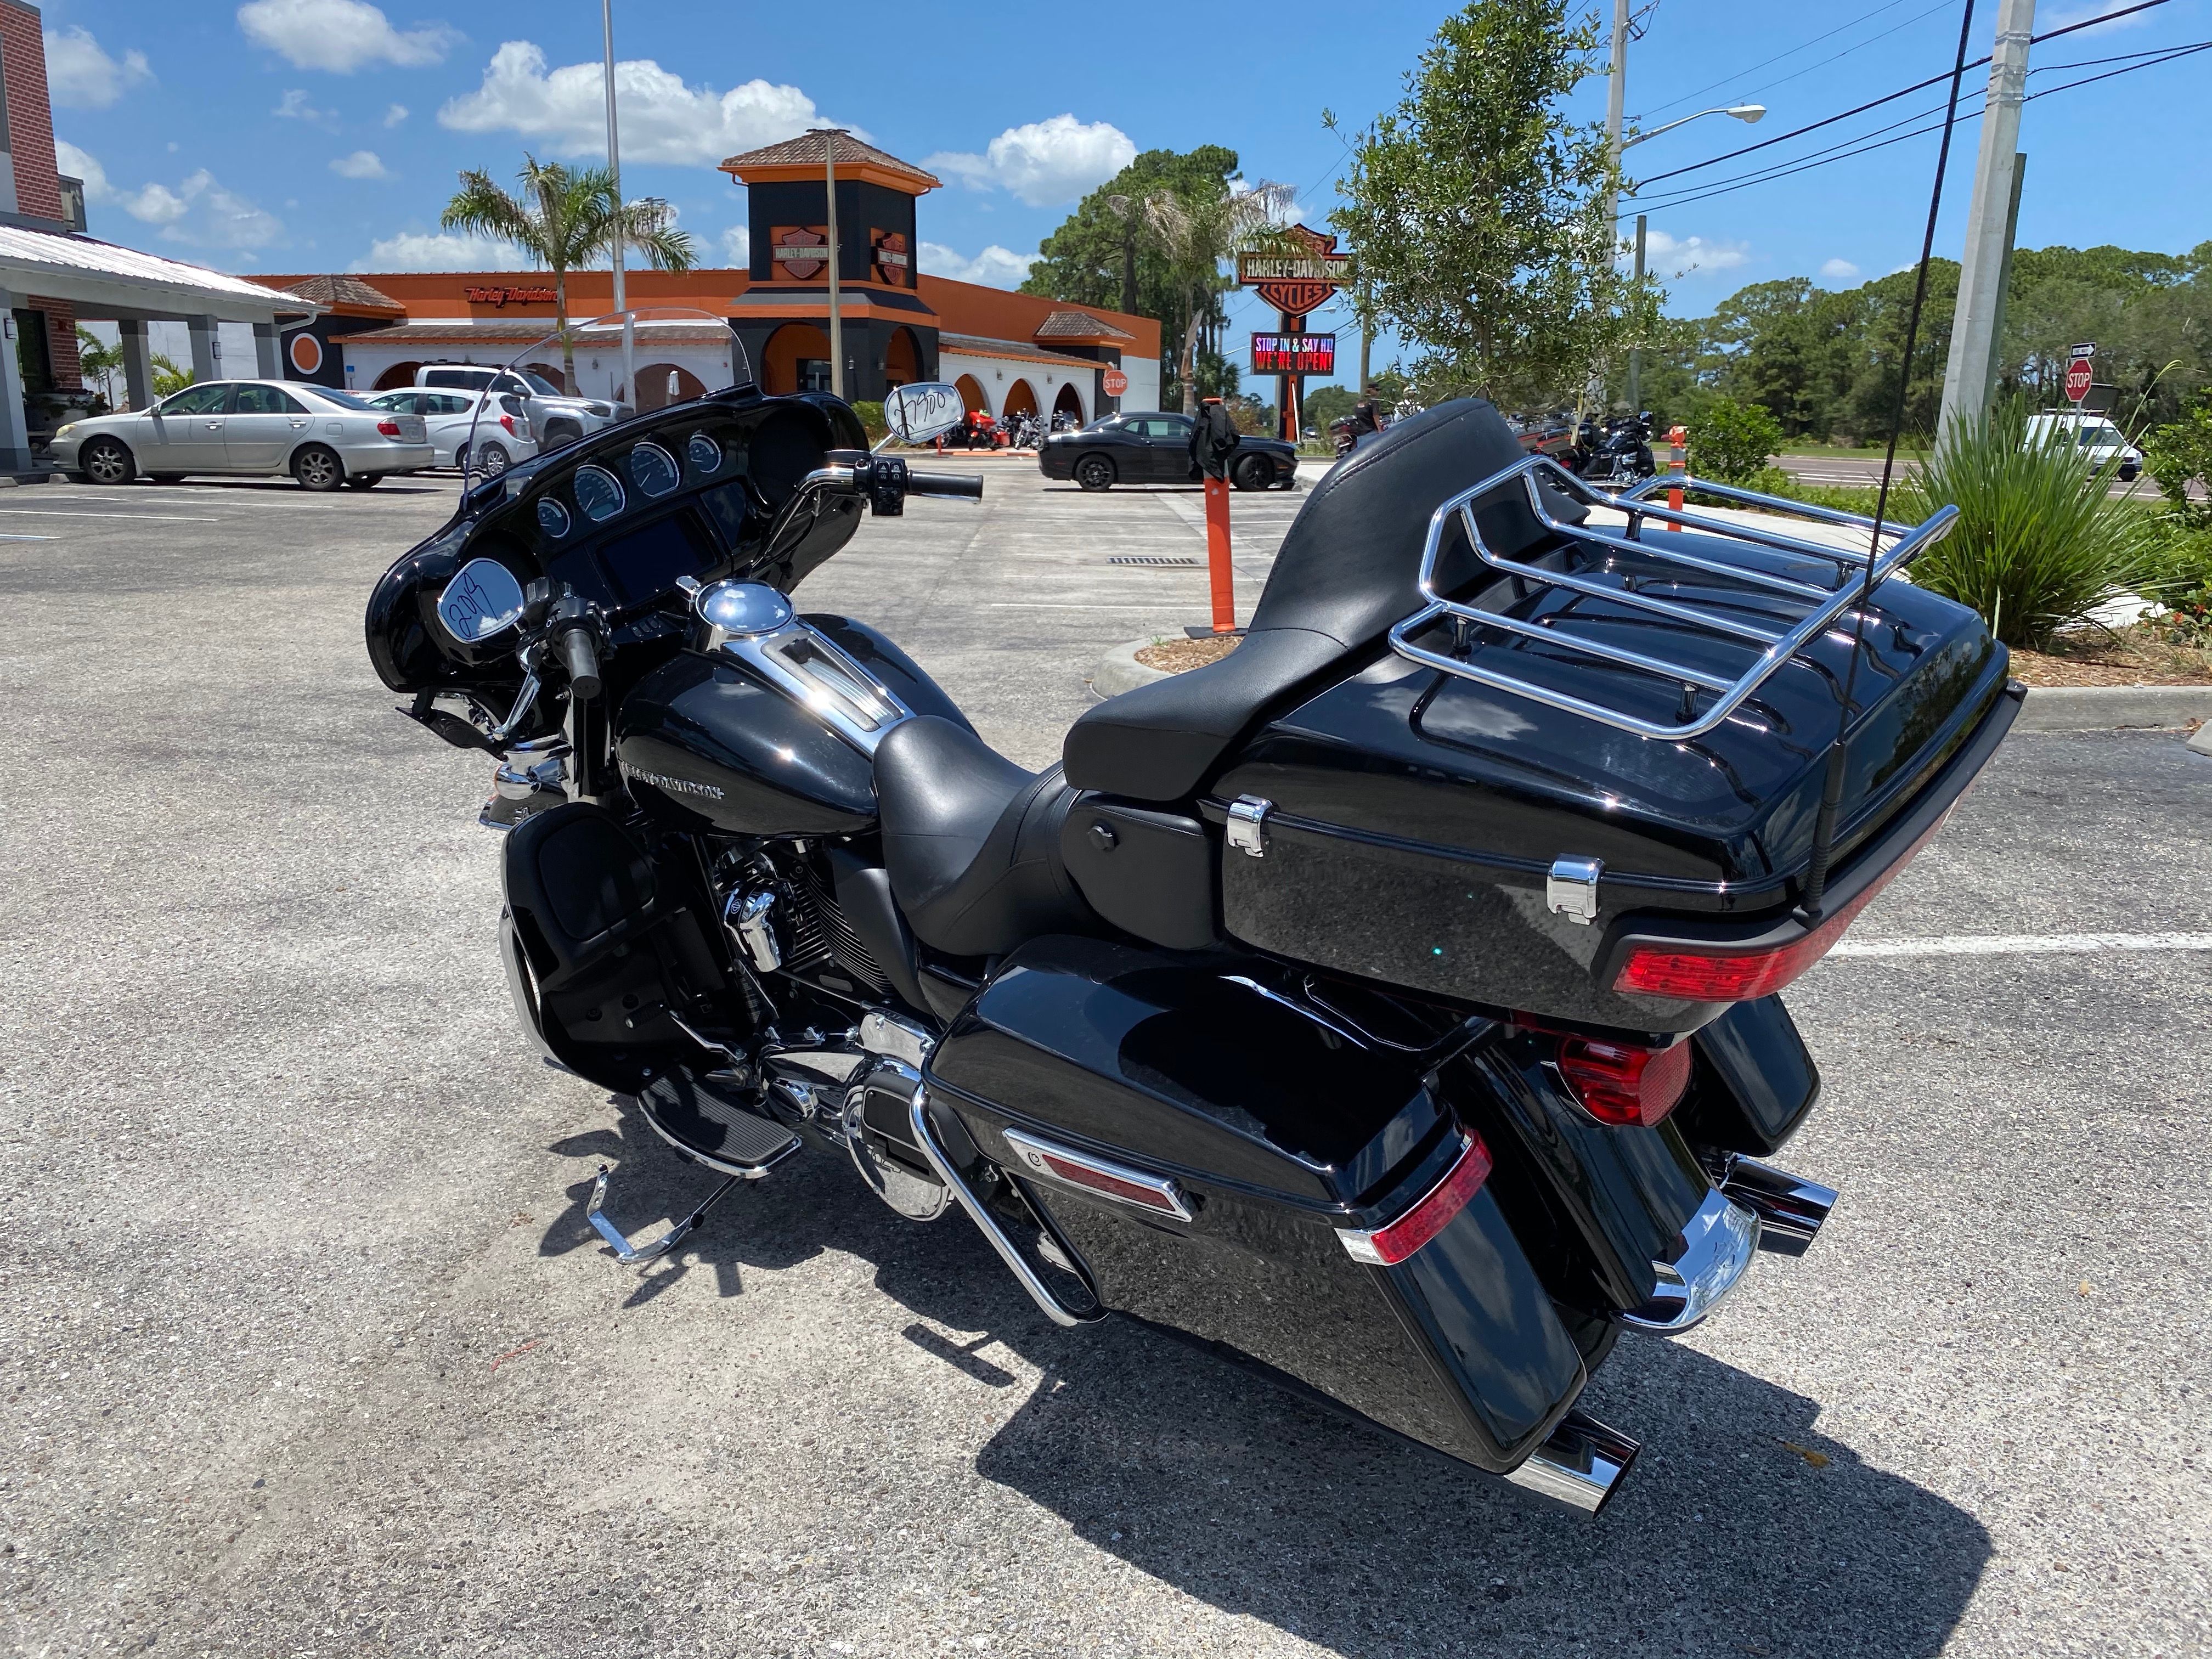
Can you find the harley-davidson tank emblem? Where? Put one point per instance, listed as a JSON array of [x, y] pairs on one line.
[[673, 786]]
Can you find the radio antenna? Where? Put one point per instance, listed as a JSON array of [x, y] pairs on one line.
[[1831, 786]]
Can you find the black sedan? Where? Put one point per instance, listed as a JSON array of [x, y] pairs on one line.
[[1152, 447]]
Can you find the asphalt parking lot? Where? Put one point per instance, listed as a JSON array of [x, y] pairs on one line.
[[308, 1350]]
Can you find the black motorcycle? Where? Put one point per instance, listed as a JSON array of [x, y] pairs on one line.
[[1389, 1006], [1620, 454]]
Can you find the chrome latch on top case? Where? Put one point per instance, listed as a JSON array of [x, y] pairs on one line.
[[1248, 825], [1571, 889]]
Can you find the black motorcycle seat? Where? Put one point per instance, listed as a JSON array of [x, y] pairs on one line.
[[1348, 570], [972, 841]]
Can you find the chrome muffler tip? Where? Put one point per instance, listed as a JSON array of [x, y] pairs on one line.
[[1582, 1464], [1790, 1211]]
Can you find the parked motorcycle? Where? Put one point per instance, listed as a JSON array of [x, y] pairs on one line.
[[1621, 454], [1390, 1006]]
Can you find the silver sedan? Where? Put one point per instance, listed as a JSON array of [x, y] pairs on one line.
[[322, 437]]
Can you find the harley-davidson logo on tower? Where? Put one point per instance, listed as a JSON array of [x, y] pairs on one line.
[[801, 251], [1294, 281], [888, 248]]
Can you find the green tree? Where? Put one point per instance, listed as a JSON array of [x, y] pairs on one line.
[[1102, 255], [566, 219], [2179, 454], [1196, 231], [1327, 404], [97, 361], [168, 379], [1478, 211], [1732, 440]]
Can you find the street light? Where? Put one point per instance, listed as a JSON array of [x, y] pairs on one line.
[[1748, 113]]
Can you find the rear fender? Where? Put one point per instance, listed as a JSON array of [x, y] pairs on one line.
[[602, 953]]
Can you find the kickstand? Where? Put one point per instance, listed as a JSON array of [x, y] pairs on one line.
[[683, 1230]]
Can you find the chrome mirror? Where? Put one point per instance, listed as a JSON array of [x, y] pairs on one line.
[[920, 412], [483, 599]]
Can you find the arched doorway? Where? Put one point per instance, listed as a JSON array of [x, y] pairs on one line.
[[1020, 400], [1070, 402], [397, 375], [971, 395], [654, 380], [902, 359], [795, 359], [550, 373]]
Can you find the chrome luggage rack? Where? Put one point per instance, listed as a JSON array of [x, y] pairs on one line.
[[1770, 646]]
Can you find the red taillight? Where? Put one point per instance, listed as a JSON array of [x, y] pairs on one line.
[[1386, 1247], [1625, 1084], [508, 421], [1715, 974], [388, 427]]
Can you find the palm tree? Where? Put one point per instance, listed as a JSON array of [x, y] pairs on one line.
[[98, 362], [566, 219], [1194, 232]]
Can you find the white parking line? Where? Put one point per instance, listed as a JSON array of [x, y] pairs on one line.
[[29, 539], [65, 513], [2008, 945]]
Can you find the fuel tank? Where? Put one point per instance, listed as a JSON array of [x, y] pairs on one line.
[[707, 742]]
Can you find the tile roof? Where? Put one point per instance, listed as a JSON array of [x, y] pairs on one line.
[[521, 330], [343, 291], [1079, 324], [977, 345], [807, 146], [84, 256]]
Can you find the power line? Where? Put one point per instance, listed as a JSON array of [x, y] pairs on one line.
[[1890, 98], [1834, 58], [1660, 109]]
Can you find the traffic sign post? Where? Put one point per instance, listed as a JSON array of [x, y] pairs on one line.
[[2081, 374], [1115, 383]]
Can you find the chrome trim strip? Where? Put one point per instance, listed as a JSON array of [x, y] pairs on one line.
[[1582, 1463], [860, 710], [1035, 1153], [924, 1136], [1717, 1245], [1791, 1211]]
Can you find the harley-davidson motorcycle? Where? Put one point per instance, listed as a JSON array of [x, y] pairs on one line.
[[1390, 1006]]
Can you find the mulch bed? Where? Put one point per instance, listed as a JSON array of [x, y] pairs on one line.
[[2143, 655], [1179, 656]]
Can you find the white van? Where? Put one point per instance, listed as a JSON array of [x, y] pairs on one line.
[[2097, 438]]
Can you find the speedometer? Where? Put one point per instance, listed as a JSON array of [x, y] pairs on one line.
[[653, 469], [599, 492]]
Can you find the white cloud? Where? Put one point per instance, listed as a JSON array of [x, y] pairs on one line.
[[1043, 163], [414, 250], [77, 164], [662, 120], [2066, 15], [295, 106], [1839, 270], [80, 75], [738, 246], [1692, 253], [341, 35], [994, 267], [362, 164], [395, 115], [198, 210]]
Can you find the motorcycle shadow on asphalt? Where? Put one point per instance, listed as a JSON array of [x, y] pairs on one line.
[[1740, 1530]]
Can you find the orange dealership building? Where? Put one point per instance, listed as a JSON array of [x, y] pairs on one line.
[[1010, 354]]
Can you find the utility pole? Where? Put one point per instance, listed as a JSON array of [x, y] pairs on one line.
[[836, 314], [628, 392], [1636, 353], [1970, 372], [1616, 104]]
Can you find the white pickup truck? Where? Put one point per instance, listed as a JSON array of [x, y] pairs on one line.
[[2098, 440]]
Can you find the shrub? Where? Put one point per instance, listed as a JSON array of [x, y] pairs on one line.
[[2040, 543], [2177, 454], [2178, 574], [872, 420], [1733, 440]]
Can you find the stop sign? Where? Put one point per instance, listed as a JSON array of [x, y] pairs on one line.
[[1116, 382], [2080, 377]]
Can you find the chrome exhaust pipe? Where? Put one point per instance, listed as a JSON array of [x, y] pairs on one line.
[[1582, 1464], [1790, 1211]]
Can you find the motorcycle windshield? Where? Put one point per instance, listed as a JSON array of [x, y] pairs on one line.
[[571, 383]]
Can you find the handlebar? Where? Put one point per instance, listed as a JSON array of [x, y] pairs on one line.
[[580, 654], [960, 485]]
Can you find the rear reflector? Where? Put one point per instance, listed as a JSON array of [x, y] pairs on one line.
[[389, 428], [1386, 1247], [508, 421], [1715, 974], [1621, 1082], [1097, 1174]]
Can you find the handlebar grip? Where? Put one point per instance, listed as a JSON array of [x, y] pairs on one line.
[[968, 486], [581, 654]]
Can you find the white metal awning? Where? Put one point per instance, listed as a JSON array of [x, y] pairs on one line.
[[104, 280]]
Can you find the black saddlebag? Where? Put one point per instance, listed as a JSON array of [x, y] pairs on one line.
[[1404, 824], [1247, 1134]]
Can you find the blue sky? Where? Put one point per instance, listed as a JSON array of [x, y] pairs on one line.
[[324, 134]]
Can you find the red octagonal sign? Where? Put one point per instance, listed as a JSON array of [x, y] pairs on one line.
[[2080, 377]]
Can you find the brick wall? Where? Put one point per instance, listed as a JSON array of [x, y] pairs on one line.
[[61, 340], [30, 116]]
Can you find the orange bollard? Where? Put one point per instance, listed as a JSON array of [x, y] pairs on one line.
[[1217, 555], [1676, 438]]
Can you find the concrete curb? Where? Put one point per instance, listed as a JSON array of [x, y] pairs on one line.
[[2048, 707], [1119, 671], [2109, 707]]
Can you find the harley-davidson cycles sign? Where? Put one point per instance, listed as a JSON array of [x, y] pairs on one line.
[[1293, 280], [802, 252]]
